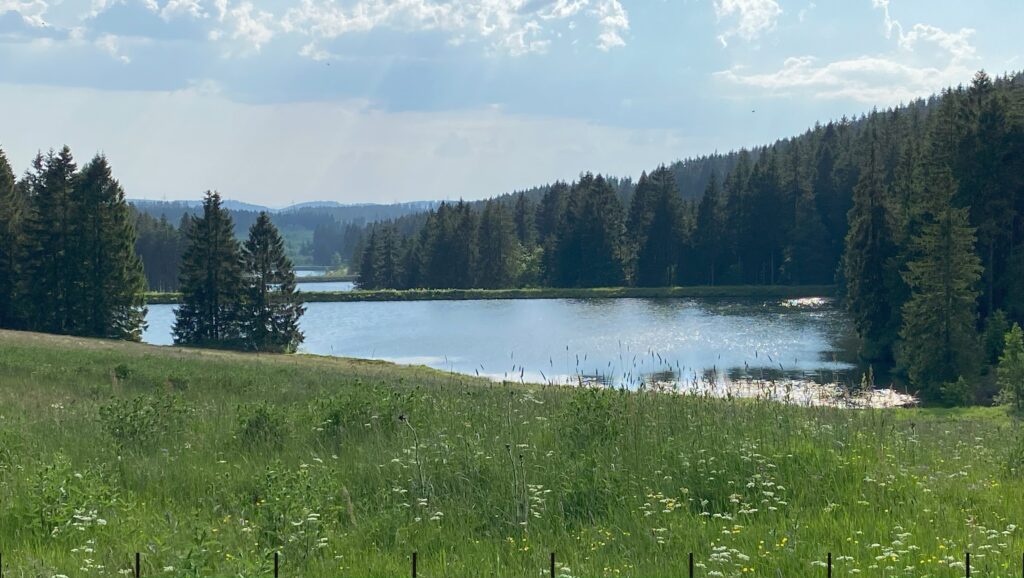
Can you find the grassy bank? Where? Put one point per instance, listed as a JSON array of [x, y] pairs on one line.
[[724, 291], [207, 462]]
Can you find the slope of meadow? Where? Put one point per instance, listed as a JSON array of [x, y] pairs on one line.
[[208, 462]]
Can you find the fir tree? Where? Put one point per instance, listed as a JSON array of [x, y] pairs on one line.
[[270, 321], [51, 267], [112, 279], [12, 220], [660, 235], [940, 342], [869, 264], [211, 280], [524, 217], [369, 263], [710, 232], [498, 251]]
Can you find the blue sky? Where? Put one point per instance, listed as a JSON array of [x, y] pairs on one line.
[[280, 101]]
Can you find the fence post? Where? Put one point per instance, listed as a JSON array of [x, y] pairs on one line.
[[276, 564], [830, 565], [414, 565], [552, 565], [138, 568], [691, 564], [968, 565]]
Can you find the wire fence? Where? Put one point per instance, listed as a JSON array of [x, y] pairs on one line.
[[826, 568]]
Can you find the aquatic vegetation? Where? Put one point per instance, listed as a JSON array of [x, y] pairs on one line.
[[345, 467]]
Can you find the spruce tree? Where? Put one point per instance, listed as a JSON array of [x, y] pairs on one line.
[[270, 319], [112, 279], [12, 221], [869, 264], [498, 250], [710, 232], [389, 274], [939, 336], [52, 269], [524, 217], [660, 235], [369, 263], [211, 280]]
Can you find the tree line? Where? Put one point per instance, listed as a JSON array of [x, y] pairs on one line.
[[70, 263], [916, 212]]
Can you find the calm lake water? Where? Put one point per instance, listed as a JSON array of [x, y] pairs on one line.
[[620, 342]]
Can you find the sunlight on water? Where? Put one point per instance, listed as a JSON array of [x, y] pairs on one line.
[[713, 347]]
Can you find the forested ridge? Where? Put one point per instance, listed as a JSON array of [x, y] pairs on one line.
[[916, 212]]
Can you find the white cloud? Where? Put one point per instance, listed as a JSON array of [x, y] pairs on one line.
[[901, 75], [32, 11], [112, 45], [614, 21], [251, 28], [750, 18], [174, 8], [513, 27]]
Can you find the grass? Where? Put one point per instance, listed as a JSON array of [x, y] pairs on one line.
[[707, 291], [207, 462]]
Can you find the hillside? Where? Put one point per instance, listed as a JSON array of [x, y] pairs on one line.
[[207, 462]]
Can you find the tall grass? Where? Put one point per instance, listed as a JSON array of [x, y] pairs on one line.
[[208, 462]]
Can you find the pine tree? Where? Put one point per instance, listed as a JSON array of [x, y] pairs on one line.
[[270, 319], [211, 280], [112, 279], [12, 221], [370, 263], [939, 336], [51, 267], [498, 250], [869, 264]]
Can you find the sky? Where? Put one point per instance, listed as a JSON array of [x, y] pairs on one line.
[[283, 101]]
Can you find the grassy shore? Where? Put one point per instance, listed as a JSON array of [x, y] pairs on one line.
[[723, 291], [207, 462]]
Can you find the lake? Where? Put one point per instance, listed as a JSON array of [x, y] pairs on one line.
[[709, 344]]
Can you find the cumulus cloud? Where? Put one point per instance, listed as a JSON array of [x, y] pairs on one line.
[[112, 45], [898, 76], [513, 27], [31, 11], [614, 21], [749, 18]]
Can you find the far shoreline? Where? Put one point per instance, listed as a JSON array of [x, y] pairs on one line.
[[685, 292]]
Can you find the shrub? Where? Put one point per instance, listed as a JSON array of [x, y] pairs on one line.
[[260, 425], [143, 419], [1011, 368]]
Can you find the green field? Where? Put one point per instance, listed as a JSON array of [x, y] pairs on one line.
[[207, 462], [696, 292]]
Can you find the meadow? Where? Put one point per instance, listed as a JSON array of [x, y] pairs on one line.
[[208, 462]]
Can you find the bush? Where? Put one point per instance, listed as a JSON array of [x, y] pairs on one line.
[[143, 419], [1011, 368], [261, 425]]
